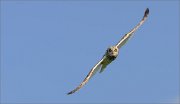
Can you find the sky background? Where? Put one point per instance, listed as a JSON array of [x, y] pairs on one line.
[[48, 47]]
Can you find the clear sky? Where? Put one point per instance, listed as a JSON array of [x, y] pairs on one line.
[[48, 47]]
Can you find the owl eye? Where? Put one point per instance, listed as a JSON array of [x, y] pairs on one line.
[[115, 50], [109, 50]]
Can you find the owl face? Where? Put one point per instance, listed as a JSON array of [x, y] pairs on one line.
[[112, 51]]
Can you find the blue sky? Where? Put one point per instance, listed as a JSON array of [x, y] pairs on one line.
[[48, 47]]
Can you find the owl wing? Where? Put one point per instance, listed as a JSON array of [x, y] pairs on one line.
[[126, 37], [90, 74]]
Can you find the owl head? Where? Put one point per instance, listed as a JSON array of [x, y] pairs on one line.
[[112, 51]]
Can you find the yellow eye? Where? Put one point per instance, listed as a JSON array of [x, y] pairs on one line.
[[109, 50], [115, 50]]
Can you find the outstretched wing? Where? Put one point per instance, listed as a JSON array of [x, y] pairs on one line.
[[90, 74], [125, 38]]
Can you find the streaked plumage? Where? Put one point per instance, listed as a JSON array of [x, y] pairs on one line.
[[111, 54]]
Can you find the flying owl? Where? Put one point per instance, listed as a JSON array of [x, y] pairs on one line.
[[110, 54]]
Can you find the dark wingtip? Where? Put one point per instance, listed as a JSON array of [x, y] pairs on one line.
[[69, 93], [146, 12]]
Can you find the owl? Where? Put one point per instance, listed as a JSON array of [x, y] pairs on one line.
[[110, 54]]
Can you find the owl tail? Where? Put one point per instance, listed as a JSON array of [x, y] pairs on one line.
[[102, 68]]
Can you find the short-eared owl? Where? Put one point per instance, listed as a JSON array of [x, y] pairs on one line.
[[111, 54]]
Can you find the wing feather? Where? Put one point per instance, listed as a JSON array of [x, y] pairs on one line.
[[90, 74], [126, 37]]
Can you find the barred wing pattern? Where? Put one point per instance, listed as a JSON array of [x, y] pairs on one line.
[[126, 37]]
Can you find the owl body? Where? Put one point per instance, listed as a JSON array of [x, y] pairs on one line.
[[110, 55]]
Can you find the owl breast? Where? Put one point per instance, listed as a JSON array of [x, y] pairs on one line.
[[111, 58]]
